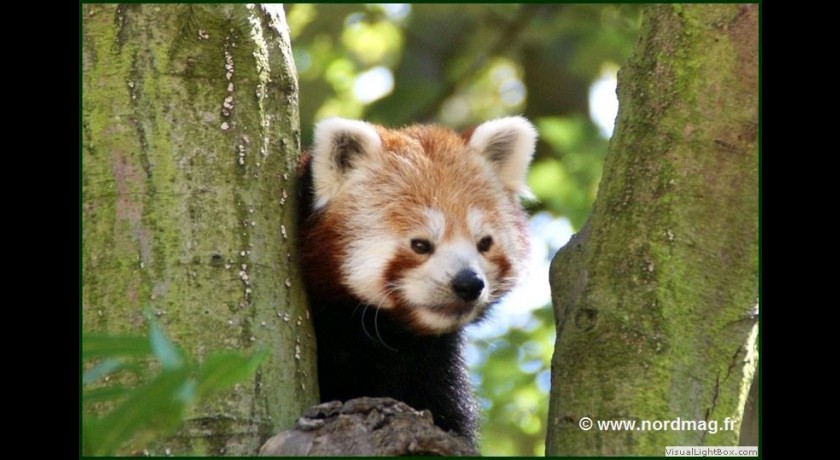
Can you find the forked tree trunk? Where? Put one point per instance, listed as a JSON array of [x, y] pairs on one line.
[[656, 298], [190, 145]]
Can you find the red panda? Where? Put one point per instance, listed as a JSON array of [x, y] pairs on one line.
[[407, 236]]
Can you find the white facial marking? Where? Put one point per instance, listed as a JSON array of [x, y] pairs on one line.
[[476, 222], [443, 323], [366, 262], [435, 223]]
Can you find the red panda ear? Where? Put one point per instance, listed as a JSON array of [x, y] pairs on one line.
[[508, 143], [339, 145]]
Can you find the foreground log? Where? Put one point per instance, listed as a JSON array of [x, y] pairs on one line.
[[367, 427]]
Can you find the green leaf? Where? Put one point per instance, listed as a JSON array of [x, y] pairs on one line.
[[186, 394], [562, 133], [165, 351], [154, 407], [222, 370], [112, 346], [105, 394], [106, 367]]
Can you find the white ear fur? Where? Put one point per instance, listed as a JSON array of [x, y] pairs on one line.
[[508, 143], [339, 143]]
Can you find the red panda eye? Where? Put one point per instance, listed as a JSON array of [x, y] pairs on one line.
[[421, 246], [485, 243]]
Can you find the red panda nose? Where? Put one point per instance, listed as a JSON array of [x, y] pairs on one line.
[[467, 285]]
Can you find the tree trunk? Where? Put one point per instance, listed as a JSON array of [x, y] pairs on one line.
[[656, 298], [190, 146]]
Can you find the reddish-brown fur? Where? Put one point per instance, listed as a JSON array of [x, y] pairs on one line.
[[389, 351]]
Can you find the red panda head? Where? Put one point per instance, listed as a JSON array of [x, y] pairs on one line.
[[422, 221]]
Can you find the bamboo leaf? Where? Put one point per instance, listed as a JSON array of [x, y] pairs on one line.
[[169, 355], [112, 346], [224, 369], [155, 406], [105, 394], [106, 367]]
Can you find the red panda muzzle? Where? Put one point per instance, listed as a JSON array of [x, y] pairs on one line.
[[455, 310]]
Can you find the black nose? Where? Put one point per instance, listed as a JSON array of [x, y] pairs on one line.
[[467, 285]]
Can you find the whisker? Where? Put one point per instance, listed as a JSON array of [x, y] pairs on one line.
[[376, 328], [364, 328], [391, 289]]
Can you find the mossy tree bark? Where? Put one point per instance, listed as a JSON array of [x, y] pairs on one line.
[[656, 298], [190, 145]]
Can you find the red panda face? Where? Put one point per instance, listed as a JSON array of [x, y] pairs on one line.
[[427, 223]]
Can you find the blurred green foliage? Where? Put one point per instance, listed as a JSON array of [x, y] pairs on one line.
[[512, 376], [461, 64], [125, 399]]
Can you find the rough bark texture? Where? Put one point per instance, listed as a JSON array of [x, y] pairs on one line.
[[656, 298], [190, 144], [366, 427]]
